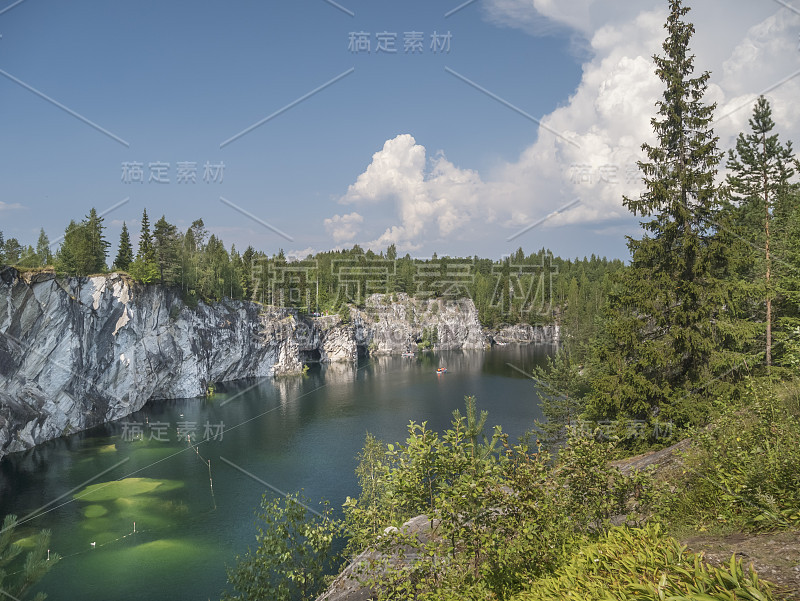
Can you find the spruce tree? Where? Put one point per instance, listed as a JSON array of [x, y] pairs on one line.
[[145, 267], [125, 251], [658, 348], [246, 275], [166, 246], [189, 261], [761, 168], [98, 245], [12, 251], [2, 249]]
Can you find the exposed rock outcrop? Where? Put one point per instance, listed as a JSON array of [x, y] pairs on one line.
[[82, 351], [393, 327], [78, 352], [525, 334], [351, 584]]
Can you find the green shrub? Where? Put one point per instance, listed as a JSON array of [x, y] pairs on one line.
[[504, 515], [295, 550], [744, 470]]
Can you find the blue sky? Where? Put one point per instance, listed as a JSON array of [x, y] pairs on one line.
[[398, 150]]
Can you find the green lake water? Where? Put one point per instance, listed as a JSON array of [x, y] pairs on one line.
[[293, 433]]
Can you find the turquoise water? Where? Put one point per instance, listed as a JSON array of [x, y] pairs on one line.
[[294, 433]]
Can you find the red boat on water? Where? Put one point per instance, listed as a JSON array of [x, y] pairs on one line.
[[441, 370]]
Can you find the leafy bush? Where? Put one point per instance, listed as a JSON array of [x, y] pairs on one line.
[[502, 515], [294, 552], [430, 337], [190, 299], [744, 470]]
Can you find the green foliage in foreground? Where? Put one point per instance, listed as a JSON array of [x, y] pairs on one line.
[[502, 515], [644, 563], [18, 575], [744, 470], [295, 549], [508, 522]]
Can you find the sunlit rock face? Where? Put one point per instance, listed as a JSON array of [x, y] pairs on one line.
[[82, 351], [387, 326], [525, 334], [78, 352]]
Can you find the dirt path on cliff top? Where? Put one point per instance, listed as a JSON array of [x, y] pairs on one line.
[[774, 556]]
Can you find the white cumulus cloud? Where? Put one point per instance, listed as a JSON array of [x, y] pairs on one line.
[[602, 124], [435, 198], [344, 228]]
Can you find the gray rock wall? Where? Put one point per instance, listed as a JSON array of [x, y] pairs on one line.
[[78, 352], [525, 334], [392, 327], [82, 351]]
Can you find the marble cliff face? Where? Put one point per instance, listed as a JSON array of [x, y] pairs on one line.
[[78, 352]]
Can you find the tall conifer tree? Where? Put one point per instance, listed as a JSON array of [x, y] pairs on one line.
[[658, 348], [145, 267], [97, 243], [761, 168], [166, 247], [125, 250], [43, 255]]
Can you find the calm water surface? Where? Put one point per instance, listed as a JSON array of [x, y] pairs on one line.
[[293, 433]]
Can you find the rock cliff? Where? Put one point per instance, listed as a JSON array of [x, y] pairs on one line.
[[388, 326], [525, 334], [78, 352]]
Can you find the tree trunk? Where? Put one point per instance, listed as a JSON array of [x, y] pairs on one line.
[[768, 270]]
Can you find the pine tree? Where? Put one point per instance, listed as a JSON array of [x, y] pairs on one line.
[[145, 267], [761, 168], [29, 258], [658, 343], [2, 249], [561, 391], [125, 251], [43, 253], [38, 561]]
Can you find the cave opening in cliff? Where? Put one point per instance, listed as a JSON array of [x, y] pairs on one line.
[[311, 356], [362, 350]]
